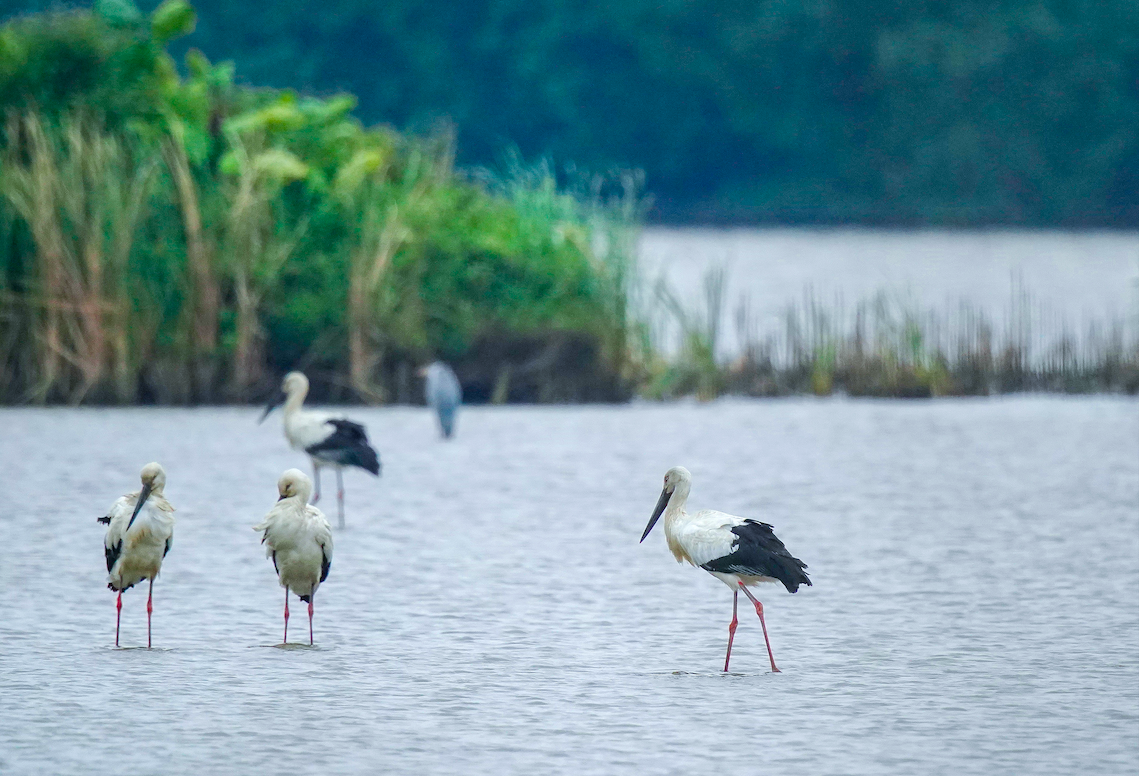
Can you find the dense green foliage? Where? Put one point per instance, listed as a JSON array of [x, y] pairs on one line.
[[930, 111], [176, 238]]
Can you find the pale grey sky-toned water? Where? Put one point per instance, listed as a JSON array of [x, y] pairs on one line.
[[489, 610], [1070, 279]]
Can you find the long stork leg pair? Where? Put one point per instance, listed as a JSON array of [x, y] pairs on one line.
[[285, 640], [735, 621], [119, 613]]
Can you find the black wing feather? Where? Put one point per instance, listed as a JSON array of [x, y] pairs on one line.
[[325, 564], [105, 520], [113, 554], [347, 446], [758, 552]]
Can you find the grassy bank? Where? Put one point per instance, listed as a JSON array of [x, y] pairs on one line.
[[175, 237]]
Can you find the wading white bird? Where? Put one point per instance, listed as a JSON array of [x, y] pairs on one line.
[[140, 530], [737, 551], [444, 395], [298, 538], [329, 440]]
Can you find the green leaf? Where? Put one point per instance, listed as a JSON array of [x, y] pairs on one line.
[[281, 164], [172, 19], [119, 13], [362, 164], [197, 64]]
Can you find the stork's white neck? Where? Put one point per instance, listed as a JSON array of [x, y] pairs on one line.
[[295, 401], [299, 499], [674, 512]]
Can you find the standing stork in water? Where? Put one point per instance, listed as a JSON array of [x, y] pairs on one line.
[[140, 530], [328, 440], [444, 395], [737, 551], [298, 538]]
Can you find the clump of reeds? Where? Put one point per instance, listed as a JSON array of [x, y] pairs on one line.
[[694, 369], [81, 194], [888, 346]]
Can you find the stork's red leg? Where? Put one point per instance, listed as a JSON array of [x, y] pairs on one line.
[[149, 609], [731, 629], [285, 640], [118, 616], [310, 619], [759, 611]]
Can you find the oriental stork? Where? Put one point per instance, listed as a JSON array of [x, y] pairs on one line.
[[298, 538], [140, 530], [328, 439], [737, 551]]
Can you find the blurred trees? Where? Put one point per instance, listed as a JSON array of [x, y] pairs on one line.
[[928, 111]]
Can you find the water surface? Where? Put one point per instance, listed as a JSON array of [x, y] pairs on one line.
[[1065, 279], [489, 610]]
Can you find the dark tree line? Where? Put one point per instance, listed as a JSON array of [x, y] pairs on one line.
[[906, 112]]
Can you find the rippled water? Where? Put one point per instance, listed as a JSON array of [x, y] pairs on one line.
[[976, 567]]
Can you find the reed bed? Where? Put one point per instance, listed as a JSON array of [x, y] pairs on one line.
[[890, 346]]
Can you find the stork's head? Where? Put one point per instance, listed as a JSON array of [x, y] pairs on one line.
[[294, 384], [675, 478], [294, 484], [153, 481], [154, 477]]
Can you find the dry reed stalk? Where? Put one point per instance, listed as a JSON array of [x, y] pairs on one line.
[[378, 208], [370, 263], [30, 183], [204, 288], [256, 246]]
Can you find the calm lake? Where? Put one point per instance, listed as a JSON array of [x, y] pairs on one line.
[[489, 610]]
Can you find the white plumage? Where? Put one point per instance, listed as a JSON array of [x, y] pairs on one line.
[[328, 440], [738, 551], [298, 539], [140, 531]]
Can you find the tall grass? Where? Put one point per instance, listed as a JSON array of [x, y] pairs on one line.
[[81, 193]]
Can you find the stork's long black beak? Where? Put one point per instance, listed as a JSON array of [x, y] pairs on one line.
[[143, 495], [662, 502], [274, 403]]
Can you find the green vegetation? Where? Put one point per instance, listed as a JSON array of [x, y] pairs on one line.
[[180, 238], [917, 112]]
